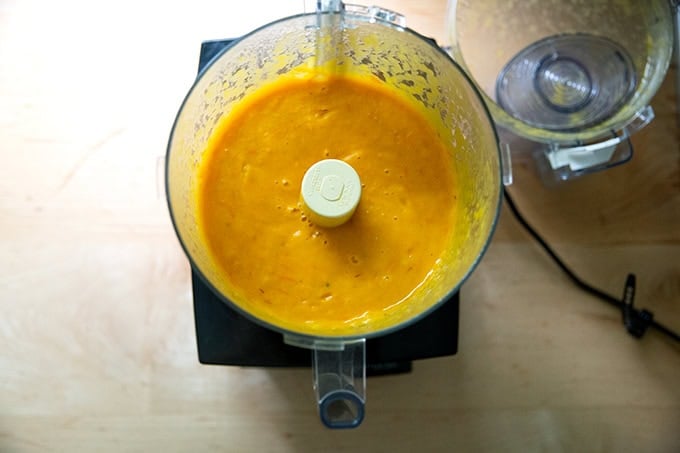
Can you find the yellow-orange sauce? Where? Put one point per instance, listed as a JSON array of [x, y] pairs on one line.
[[290, 272]]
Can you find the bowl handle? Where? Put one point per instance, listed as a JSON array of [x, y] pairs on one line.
[[340, 383], [570, 161], [339, 368]]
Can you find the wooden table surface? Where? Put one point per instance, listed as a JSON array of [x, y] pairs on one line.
[[97, 342]]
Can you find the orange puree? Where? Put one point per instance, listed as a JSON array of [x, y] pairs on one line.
[[279, 265]]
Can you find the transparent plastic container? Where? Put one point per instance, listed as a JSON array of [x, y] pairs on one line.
[[577, 76], [360, 41]]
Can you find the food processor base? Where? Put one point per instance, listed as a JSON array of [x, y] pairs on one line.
[[225, 337]]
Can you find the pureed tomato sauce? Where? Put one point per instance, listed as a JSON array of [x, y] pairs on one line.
[[278, 264]]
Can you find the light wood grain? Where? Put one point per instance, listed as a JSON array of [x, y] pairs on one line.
[[97, 343]]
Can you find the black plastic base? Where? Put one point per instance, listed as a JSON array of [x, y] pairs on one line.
[[225, 337]]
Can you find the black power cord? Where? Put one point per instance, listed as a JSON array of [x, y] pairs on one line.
[[636, 321]]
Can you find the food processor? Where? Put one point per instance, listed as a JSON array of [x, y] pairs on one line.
[[359, 41], [576, 76]]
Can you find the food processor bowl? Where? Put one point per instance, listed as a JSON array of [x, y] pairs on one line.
[[577, 76], [363, 42]]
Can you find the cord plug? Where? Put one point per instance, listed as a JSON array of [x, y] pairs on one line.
[[636, 322]]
